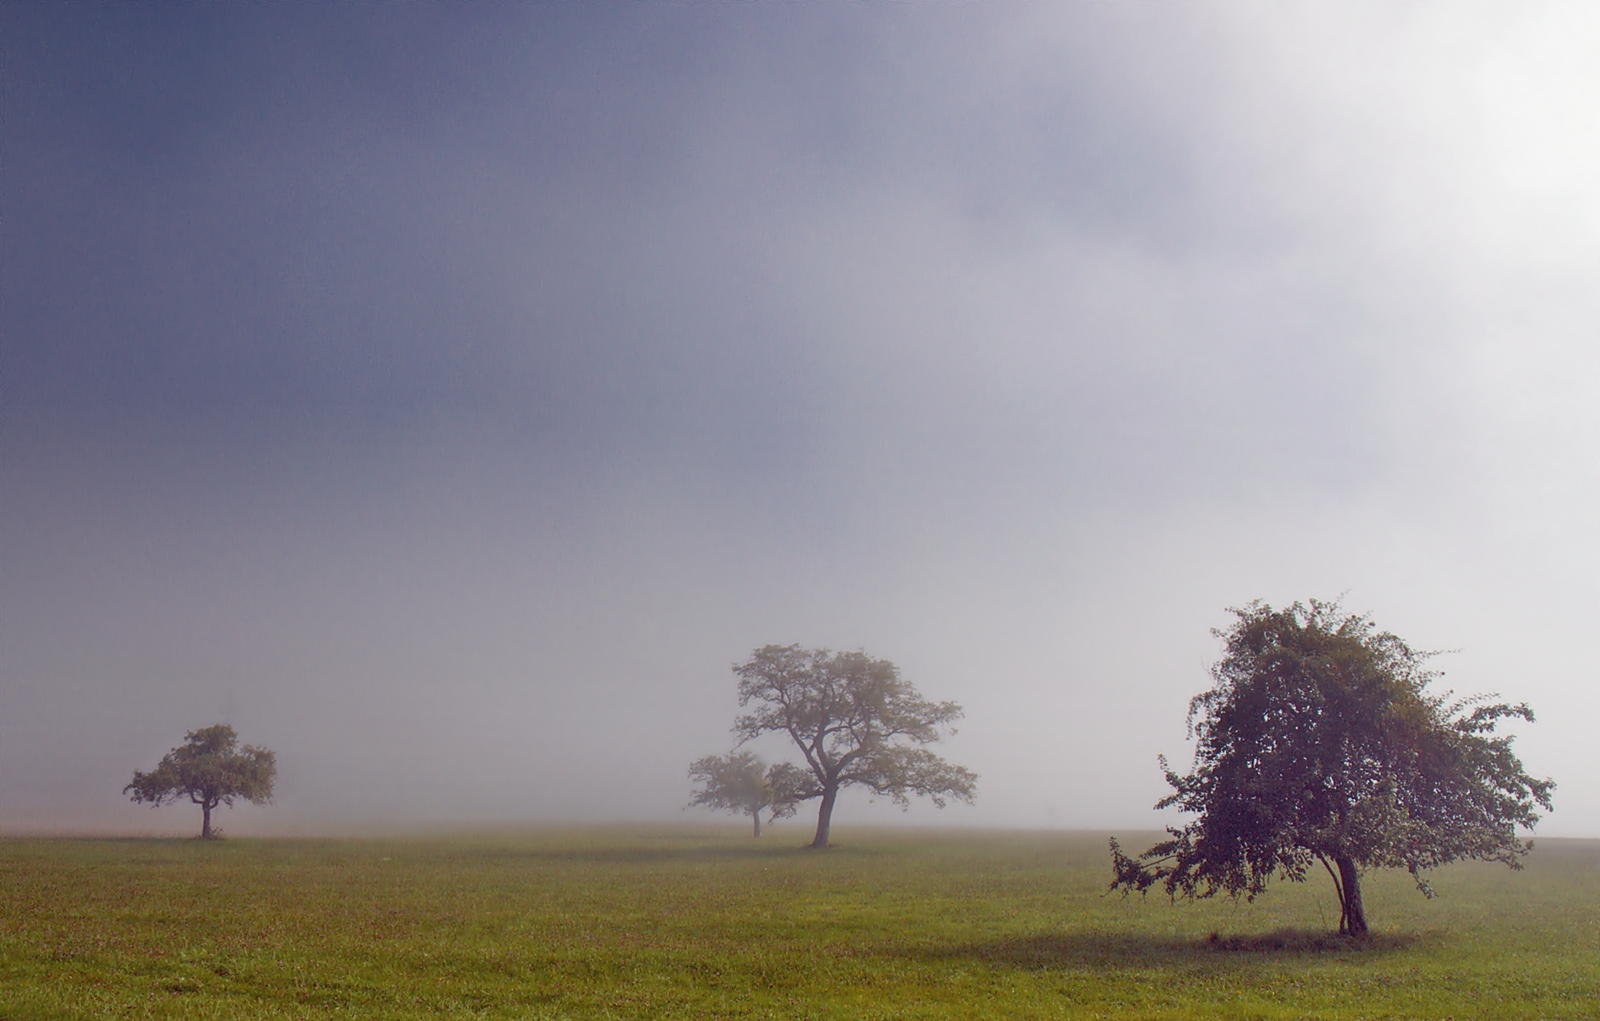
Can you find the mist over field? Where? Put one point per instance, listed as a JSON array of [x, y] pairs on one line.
[[447, 396]]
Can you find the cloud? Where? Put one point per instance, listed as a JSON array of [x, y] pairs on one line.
[[460, 392]]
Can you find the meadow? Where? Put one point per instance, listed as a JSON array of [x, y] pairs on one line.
[[704, 922]]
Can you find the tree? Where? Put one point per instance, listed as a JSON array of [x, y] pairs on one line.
[[852, 717], [1320, 743], [741, 782], [208, 771]]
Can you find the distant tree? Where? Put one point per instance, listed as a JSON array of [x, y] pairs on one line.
[[208, 771], [741, 782], [856, 721], [1321, 743]]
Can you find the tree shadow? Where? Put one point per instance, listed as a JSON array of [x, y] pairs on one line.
[[1111, 950]]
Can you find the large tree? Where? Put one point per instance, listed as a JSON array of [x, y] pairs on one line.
[[741, 782], [856, 721], [209, 770], [1321, 743]]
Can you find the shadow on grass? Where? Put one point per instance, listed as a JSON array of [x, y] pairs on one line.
[[1132, 950]]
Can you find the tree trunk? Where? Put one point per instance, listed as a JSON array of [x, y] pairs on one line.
[[756, 815], [825, 816], [1354, 921], [205, 825]]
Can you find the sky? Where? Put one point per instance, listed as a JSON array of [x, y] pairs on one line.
[[447, 396]]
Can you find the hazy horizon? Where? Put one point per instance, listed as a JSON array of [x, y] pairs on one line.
[[447, 396]]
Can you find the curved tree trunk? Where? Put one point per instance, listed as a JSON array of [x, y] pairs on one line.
[[205, 824], [825, 816], [756, 816], [1354, 921], [1338, 891]]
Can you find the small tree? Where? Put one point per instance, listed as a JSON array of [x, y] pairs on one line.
[[851, 716], [1321, 743], [209, 772], [741, 782]]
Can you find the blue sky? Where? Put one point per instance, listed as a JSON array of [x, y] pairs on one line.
[[447, 396]]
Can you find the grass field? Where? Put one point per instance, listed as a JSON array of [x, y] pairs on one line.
[[705, 922]]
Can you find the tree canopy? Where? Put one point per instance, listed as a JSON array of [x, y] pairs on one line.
[[855, 720], [742, 782], [209, 770], [1321, 743]]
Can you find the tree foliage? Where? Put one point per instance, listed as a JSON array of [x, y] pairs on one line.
[[855, 720], [742, 782], [1321, 743], [209, 770]]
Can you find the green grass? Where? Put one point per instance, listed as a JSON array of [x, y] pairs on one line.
[[707, 923]]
